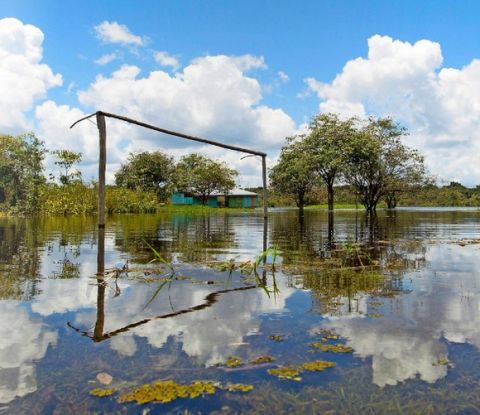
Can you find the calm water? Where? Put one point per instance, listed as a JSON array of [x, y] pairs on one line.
[[411, 314]]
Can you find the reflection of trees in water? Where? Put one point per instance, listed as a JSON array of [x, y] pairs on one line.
[[23, 244], [343, 291], [19, 259], [195, 238], [366, 256]]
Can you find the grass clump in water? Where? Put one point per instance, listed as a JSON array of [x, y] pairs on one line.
[[165, 391], [101, 393], [332, 348]]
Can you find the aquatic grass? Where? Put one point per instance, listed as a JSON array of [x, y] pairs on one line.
[[159, 258], [169, 278]]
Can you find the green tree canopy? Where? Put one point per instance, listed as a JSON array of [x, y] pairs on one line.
[[149, 171], [65, 160], [294, 174], [202, 176], [325, 146], [380, 165], [21, 172]]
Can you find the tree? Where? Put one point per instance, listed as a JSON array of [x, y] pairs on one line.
[[325, 145], [379, 164], [149, 171], [66, 159], [21, 172], [293, 174], [202, 176]]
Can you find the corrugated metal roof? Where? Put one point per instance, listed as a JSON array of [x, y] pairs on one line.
[[235, 192]]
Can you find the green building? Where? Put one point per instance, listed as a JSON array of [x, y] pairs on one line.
[[236, 198]]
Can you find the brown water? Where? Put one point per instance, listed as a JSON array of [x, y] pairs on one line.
[[402, 290]]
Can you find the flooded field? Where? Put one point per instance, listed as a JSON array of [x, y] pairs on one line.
[[193, 315]]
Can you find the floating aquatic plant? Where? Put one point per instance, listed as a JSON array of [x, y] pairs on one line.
[[328, 334], [101, 393], [317, 366], [276, 337], [262, 359], [165, 391], [287, 372], [333, 348], [443, 361], [239, 387], [233, 362]]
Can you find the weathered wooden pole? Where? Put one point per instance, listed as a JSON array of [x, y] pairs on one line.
[[264, 178], [102, 162], [100, 321]]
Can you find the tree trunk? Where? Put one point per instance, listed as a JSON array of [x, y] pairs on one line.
[[330, 195], [391, 202], [301, 202]]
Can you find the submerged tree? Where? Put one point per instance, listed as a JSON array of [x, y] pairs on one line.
[[380, 165], [203, 176], [325, 146], [66, 159], [293, 174], [149, 171]]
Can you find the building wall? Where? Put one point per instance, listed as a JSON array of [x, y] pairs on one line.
[[247, 201]]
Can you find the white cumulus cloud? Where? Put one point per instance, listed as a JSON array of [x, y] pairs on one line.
[[165, 59], [107, 58], [113, 32], [23, 78], [439, 105]]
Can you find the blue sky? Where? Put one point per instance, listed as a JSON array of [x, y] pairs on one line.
[[303, 40]]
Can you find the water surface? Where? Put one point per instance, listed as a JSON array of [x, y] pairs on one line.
[[411, 315]]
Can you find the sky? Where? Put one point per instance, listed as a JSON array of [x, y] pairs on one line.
[[249, 73]]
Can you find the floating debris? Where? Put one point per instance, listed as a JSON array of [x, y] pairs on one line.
[[317, 366], [374, 315], [262, 359], [165, 391], [101, 393], [333, 348], [238, 387], [233, 362], [375, 303], [104, 378], [290, 373], [276, 337]]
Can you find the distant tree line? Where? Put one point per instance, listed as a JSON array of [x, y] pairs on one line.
[[141, 184], [367, 155], [335, 160]]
